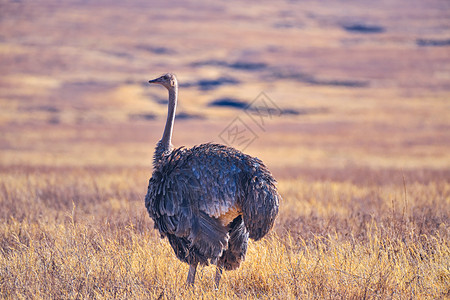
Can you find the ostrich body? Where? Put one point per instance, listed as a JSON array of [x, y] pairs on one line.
[[208, 200]]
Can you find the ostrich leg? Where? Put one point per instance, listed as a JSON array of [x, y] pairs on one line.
[[219, 270], [191, 275]]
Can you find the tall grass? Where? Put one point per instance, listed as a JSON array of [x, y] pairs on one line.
[[84, 233]]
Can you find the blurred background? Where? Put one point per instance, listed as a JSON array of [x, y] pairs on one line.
[[354, 84]]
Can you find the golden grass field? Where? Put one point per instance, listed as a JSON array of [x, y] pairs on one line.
[[360, 144]]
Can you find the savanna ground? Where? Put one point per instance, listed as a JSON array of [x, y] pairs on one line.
[[357, 135]]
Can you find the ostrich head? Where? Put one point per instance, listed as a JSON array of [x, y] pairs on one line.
[[168, 80]]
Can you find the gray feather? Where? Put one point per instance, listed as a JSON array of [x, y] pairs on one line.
[[191, 189]]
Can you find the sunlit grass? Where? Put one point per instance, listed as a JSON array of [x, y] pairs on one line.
[[76, 233]]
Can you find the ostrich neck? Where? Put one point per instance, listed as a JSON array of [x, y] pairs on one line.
[[167, 135]]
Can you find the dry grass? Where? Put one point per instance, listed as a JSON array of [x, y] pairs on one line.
[[77, 233], [363, 159]]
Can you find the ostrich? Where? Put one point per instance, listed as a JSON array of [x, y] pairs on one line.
[[208, 200]]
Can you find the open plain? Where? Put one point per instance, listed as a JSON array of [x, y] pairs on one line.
[[346, 102]]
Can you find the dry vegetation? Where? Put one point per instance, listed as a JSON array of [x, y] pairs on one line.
[[82, 233], [361, 153]]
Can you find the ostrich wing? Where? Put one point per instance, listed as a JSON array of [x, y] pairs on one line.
[[195, 193], [186, 196]]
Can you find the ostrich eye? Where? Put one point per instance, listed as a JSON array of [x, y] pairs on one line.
[[166, 76]]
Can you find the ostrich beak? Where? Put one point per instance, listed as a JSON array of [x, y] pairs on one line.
[[157, 80]]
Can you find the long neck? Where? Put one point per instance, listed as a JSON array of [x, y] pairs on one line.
[[167, 135]]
